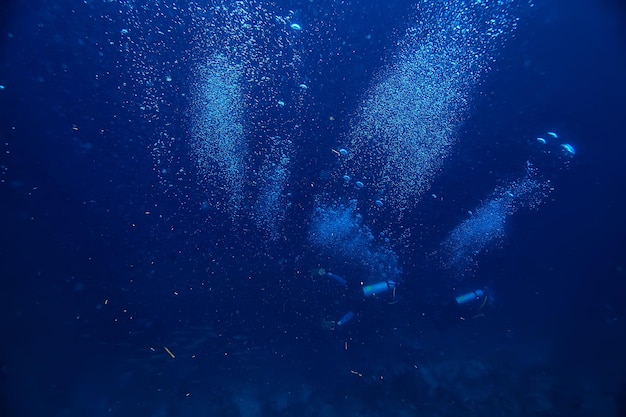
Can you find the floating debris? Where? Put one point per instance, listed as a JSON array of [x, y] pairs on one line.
[[169, 352]]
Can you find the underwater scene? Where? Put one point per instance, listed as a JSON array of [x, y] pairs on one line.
[[313, 208]]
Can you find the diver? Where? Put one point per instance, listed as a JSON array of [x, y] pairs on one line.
[[457, 308], [357, 293], [472, 304]]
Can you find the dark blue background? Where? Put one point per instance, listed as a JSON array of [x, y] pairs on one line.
[[77, 177]]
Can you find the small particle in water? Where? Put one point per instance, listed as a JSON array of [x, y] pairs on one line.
[[295, 26], [553, 134], [343, 152], [359, 184], [568, 148], [1, 87], [124, 32], [281, 103], [169, 352], [379, 203], [433, 195], [168, 78], [542, 141], [304, 86], [346, 178]]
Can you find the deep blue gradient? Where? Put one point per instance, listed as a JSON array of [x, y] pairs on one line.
[[105, 262]]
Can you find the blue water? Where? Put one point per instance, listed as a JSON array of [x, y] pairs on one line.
[[178, 238]]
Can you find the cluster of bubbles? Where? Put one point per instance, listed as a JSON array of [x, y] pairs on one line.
[[337, 232], [217, 132], [247, 98], [485, 227], [409, 119], [243, 92], [410, 116], [273, 200]]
